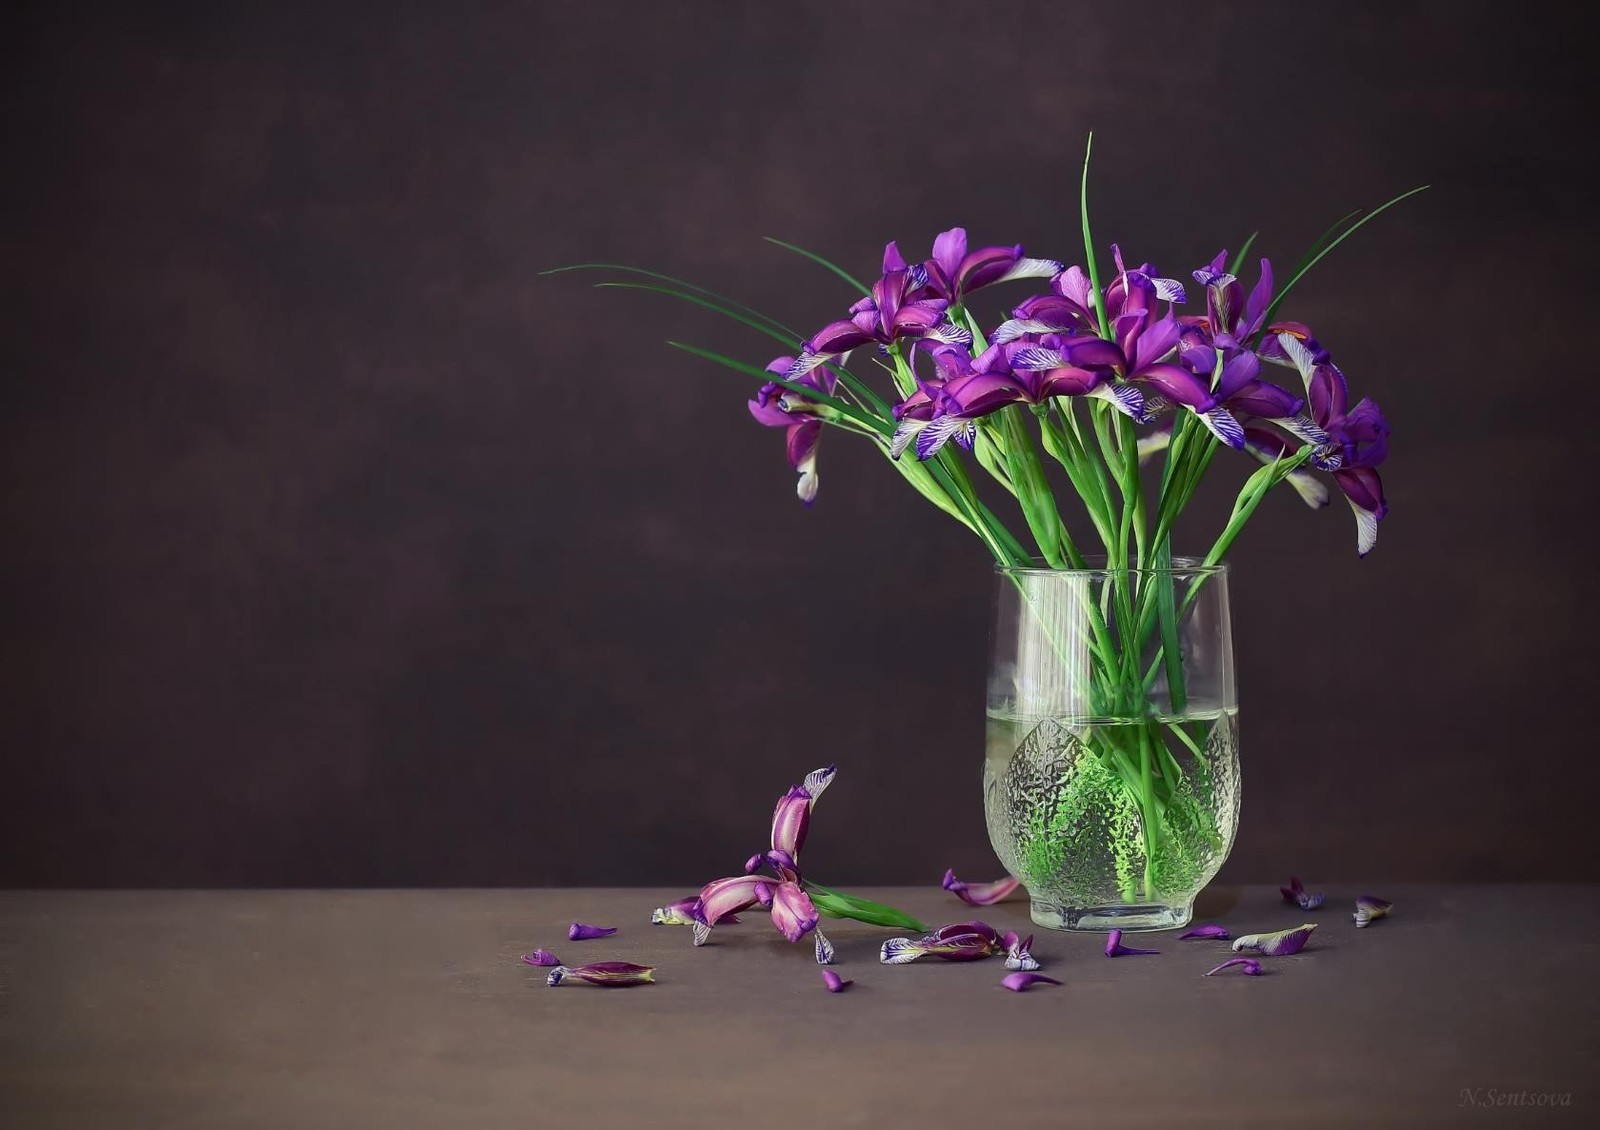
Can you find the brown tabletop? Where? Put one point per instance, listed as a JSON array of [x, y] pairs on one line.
[[1470, 1005]]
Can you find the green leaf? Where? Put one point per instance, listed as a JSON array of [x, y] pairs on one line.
[[837, 904], [1313, 260], [706, 302], [1088, 242], [1238, 260], [860, 286], [789, 334]]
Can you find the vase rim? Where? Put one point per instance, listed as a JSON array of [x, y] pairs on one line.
[[1098, 565]]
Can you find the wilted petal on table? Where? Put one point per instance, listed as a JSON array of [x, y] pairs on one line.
[[824, 948], [1020, 982], [835, 983], [682, 912], [980, 894], [541, 957], [1280, 944], [1296, 893], [963, 947], [1369, 908], [583, 932], [1204, 932], [1247, 965], [1115, 948], [1017, 955], [966, 929], [792, 911], [607, 974]]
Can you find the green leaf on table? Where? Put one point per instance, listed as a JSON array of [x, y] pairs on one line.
[[837, 904]]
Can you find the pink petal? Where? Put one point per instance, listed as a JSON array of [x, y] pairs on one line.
[[1021, 982], [792, 911], [980, 894], [541, 957]]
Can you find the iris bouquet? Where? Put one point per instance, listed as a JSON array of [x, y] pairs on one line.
[[1129, 383]]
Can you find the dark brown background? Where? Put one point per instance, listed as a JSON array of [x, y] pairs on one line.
[[343, 548]]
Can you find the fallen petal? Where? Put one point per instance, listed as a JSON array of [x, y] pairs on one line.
[[964, 929], [824, 949], [1247, 965], [980, 894], [541, 957], [961, 947], [702, 934], [1115, 948], [1293, 891], [683, 912], [1017, 955], [607, 974], [1204, 932], [1296, 893], [835, 983], [1021, 982], [1370, 908], [583, 932], [1280, 944]]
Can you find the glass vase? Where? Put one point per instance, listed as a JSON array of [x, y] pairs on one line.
[[1111, 777]]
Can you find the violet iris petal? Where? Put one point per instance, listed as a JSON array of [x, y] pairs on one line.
[[722, 897], [1296, 893], [1369, 908], [824, 948], [1204, 932], [835, 983], [778, 407], [1280, 944], [540, 957], [606, 974], [1247, 965], [980, 894], [792, 911], [962, 947], [1270, 446], [1021, 981], [1115, 948], [583, 932], [1017, 955], [969, 929], [682, 912]]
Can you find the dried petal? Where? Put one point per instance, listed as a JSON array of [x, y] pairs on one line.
[[1280, 944], [1369, 908], [583, 932], [824, 949], [541, 957], [1115, 948], [1204, 932], [960, 947], [1021, 982], [607, 974], [702, 934], [1247, 965], [683, 912], [1296, 893], [980, 894], [1017, 955], [835, 983], [965, 929]]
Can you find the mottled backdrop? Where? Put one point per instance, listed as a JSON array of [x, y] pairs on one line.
[[342, 547]]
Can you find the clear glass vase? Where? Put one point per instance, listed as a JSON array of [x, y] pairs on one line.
[[1111, 778]]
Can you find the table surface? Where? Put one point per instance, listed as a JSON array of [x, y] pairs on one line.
[[1470, 1005]]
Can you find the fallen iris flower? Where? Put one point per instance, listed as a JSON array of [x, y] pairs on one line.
[[583, 932], [1370, 908], [1281, 944], [606, 974], [1247, 965], [1115, 948], [1219, 932], [1017, 955], [540, 957], [1296, 893], [959, 941], [980, 894], [1021, 982], [835, 983]]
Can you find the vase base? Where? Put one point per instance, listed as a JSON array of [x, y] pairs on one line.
[[1116, 916]]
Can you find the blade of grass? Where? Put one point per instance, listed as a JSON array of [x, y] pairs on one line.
[[820, 261], [790, 335]]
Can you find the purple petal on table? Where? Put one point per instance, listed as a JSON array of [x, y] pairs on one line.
[[824, 948], [1220, 932], [1247, 965], [1017, 955], [540, 957], [792, 910], [1280, 944], [583, 932], [702, 934], [723, 897], [1369, 908], [1115, 948], [607, 974], [1293, 891], [966, 929], [1020, 982], [980, 894], [963, 947], [835, 983], [681, 912]]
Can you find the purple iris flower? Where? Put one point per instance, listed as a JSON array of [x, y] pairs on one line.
[[793, 912], [1068, 309], [1357, 438], [954, 272], [1232, 317], [894, 310], [780, 407]]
